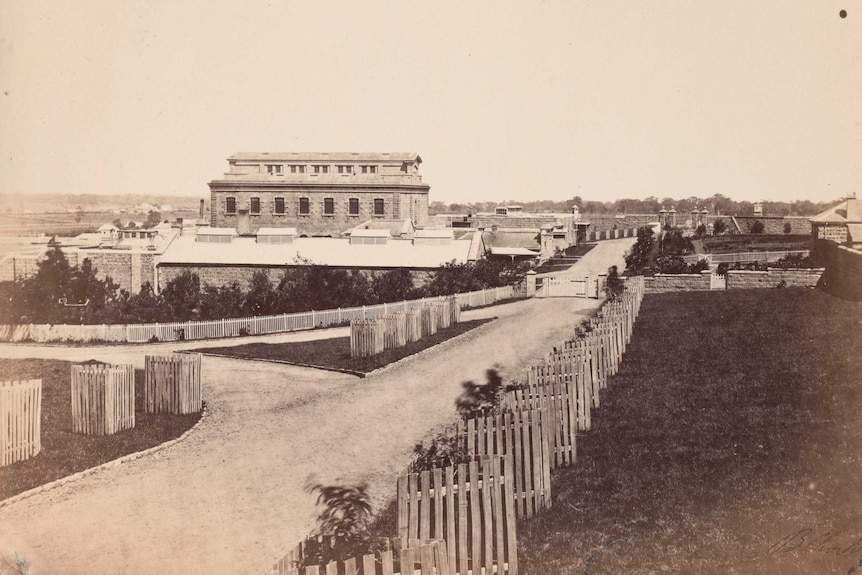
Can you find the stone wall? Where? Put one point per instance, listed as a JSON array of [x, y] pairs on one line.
[[664, 283], [609, 222], [130, 270], [18, 267], [771, 225], [742, 279], [225, 275]]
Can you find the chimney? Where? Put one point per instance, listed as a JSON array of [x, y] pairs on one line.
[[243, 222], [201, 216]]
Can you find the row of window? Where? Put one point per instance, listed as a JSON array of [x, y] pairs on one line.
[[278, 169], [304, 207]]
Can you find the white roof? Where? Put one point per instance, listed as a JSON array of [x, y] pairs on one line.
[[370, 233], [277, 232], [217, 232], [337, 252], [513, 252], [435, 233]]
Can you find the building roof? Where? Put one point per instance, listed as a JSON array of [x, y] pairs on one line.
[[217, 232], [445, 233], [338, 252], [370, 233], [514, 252], [519, 238], [273, 232], [855, 233], [848, 210], [327, 156], [402, 228]]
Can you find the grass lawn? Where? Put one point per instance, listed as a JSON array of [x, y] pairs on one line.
[[755, 242], [729, 442], [63, 452], [334, 353]]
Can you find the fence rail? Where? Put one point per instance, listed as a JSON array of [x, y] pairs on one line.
[[257, 325], [20, 420], [103, 398], [744, 257]]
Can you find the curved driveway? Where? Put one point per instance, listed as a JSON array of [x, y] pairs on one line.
[[230, 498]]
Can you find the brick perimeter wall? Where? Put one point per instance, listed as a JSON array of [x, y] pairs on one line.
[[128, 270], [742, 279], [665, 283]]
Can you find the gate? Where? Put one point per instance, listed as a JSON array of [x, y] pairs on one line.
[[563, 286]]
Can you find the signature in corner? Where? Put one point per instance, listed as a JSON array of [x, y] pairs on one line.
[[807, 539]]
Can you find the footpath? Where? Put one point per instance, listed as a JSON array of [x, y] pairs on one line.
[[232, 497]]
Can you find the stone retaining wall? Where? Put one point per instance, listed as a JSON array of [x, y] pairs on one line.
[[664, 283], [743, 279]]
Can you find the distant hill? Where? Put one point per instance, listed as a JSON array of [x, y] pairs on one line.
[[53, 203]]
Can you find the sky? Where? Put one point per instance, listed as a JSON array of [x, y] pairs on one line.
[[502, 100]]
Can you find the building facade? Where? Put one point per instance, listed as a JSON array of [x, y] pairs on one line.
[[319, 194]]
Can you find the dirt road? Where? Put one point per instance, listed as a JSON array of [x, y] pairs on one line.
[[231, 498]]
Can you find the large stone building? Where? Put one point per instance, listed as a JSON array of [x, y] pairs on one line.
[[319, 194]]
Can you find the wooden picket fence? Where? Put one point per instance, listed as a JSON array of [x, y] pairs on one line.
[[369, 337], [103, 398], [20, 420], [524, 435], [172, 383], [427, 557], [471, 507]]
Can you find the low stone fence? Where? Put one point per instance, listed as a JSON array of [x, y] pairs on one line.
[[664, 283], [773, 277]]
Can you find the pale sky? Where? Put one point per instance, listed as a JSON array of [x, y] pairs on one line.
[[503, 100]]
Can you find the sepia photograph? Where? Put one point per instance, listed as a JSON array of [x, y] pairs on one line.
[[451, 288]]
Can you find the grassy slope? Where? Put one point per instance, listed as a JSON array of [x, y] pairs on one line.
[[334, 353], [731, 429], [63, 452]]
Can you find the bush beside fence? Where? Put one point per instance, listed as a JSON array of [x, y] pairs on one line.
[[257, 325], [20, 420], [103, 398], [172, 383]]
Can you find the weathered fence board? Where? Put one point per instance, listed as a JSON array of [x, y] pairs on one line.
[[478, 505], [414, 557], [20, 420], [172, 383], [527, 436], [103, 398]]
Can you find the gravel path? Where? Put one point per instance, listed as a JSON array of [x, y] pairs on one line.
[[231, 498]]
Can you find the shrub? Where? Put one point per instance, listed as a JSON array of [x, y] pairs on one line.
[[719, 226], [478, 400], [699, 266], [638, 256], [444, 450], [345, 520], [757, 227], [700, 231], [615, 287], [787, 228]]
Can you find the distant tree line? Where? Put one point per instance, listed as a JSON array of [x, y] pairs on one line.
[[716, 204], [61, 293]]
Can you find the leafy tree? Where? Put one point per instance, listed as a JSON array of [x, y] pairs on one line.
[[345, 518], [638, 256], [393, 285], [757, 227], [221, 302], [787, 228], [144, 307], [262, 298], [154, 218], [719, 226], [615, 287], [182, 296]]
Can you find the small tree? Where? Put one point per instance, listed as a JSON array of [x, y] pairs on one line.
[[480, 399], [787, 228], [757, 227], [345, 518], [614, 286], [719, 226]]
